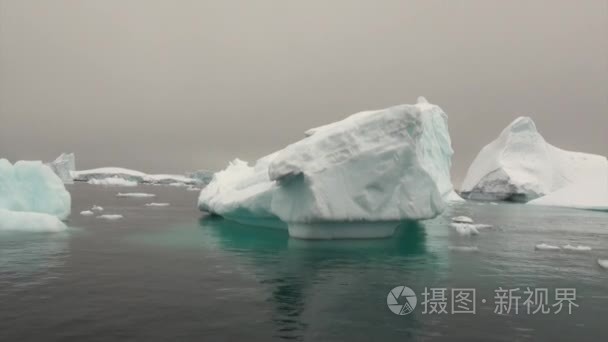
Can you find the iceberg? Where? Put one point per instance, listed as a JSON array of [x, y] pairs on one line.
[[110, 217], [153, 204], [32, 197], [108, 172], [87, 213], [370, 170], [578, 248], [521, 166], [546, 247], [202, 176], [63, 167], [114, 175]]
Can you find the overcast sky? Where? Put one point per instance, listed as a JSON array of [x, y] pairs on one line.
[[170, 86]]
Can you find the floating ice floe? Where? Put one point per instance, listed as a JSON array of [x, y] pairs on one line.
[[192, 188], [63, 167], [464, 248], [103, 173], [603, 263], [157, 204], [546, 247], [521, 166], [110, 217], [578, 248], [87, 213], [97, 208], [32, 197], [112, 181], [465, 229], [462, 219], [134, 194], [354, 178]]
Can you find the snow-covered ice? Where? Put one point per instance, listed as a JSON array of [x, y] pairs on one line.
[[63, 167], [603, 263], [578, 248], [110, 217], [546, 247], [97, 208], [375, 166], [170, 179], [521, 166], [134, 194], [156, 204], [87, 213], [113, 181], [32, 197], [462, 219]]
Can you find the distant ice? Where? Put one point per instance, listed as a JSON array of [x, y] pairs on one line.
[[157, 204], [114, 181], [63, 167], [462, 219], [521, 166], [87, 213], [97, 208], [134, 194], [578, 248], [110, 217], [192, 188], [546, 247], [464, 248]]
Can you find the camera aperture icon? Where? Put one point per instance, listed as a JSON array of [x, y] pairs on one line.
[[401, 300]]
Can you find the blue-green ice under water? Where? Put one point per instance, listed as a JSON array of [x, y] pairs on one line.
[[170, 273]]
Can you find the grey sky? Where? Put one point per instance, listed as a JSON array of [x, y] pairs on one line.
[[169, 86]]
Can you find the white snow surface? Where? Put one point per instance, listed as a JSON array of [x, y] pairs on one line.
[[383, 165], [63, 167], [112, 181], [520, 162]]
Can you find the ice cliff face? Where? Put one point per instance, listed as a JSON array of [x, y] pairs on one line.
[[521, 166], [375, 166], [63, 167], [32, 197]]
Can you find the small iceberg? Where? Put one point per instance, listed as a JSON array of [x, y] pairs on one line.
[[578, 248], [465, 229], [462, 219], [546, 247], [192, 188], [97, 208], [157, 204], [110, 217], [134, 194], [464, 248], [603, 263], [87, 213], [112, 181]]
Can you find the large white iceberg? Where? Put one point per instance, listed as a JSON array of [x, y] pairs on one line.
[[63, 167], [521, 166], [371, 169], [32, 197]]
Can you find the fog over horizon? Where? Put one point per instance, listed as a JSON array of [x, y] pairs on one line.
[[173, 86]]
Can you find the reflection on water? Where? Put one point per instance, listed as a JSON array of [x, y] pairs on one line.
[[28, 259], [294, 269]]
